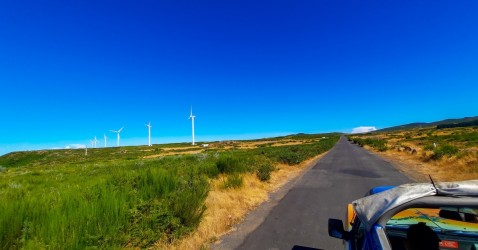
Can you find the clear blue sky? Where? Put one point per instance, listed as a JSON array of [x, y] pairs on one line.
[[70, 70]]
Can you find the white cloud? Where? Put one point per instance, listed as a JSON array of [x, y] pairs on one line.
[[363, 129], [75, 146]]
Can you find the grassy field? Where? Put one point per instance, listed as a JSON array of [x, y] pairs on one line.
[[129, 196], [447, 154]]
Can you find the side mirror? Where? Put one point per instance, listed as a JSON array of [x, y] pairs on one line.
[[336, 229]]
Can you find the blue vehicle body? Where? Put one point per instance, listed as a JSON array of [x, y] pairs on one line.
[[379, 189], [358, 237], [381, 219]]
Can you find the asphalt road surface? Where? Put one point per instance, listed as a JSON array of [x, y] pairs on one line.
[[344, 174]]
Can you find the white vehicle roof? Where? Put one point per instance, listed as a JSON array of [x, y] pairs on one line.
[[370, 208]]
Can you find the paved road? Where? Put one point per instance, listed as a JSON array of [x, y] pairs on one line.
[[344, 174]]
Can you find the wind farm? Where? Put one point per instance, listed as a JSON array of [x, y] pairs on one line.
[[94, 141]]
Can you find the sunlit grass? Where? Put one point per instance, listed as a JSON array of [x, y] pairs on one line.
[[447, 154], [114, 198]]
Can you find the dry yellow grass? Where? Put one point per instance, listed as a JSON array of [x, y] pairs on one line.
[[419, 165], [447, 169], [227, 207]]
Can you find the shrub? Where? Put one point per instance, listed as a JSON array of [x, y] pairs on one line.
[[378, 144], [229, 165], [209, 169], [444, 150], [234, 181], [188, 200], [290, 157], [429, 147], [264, 171]]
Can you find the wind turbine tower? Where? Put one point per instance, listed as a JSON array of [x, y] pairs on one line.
[[191, 116], [95, 141], [149, 133], [118, 137], [104, 135]]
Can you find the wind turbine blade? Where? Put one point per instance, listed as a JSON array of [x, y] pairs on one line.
[[114, 131], [120, 129]]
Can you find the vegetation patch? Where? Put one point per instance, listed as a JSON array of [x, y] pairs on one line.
[[448, 153], [264, 171], [114, 198], [444, 150], [376, 143], [229, 164], [233, 181]]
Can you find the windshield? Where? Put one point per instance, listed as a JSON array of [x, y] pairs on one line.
[[456, 227]]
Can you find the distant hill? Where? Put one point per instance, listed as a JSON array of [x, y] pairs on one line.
[[459, 124], [447, 122]]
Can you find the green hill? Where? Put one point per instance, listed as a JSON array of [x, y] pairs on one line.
[[429, 124]]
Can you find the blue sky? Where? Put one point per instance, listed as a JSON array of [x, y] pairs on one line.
[[70, 70]]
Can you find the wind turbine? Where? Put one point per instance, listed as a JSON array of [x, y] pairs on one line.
[[149, 133], [118, 133], [105, 139], [95, 141], [191, 116]]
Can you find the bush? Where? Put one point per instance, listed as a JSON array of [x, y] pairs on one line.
[[188, 200], [264, 171], [229, 165], [378, 144], [445, 150], [429, 147], [234, 181], [291, 157]]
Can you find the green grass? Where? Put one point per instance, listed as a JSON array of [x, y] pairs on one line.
[[293, 155], [228, 164], [113, 198], [95, 208], [233, 181]]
